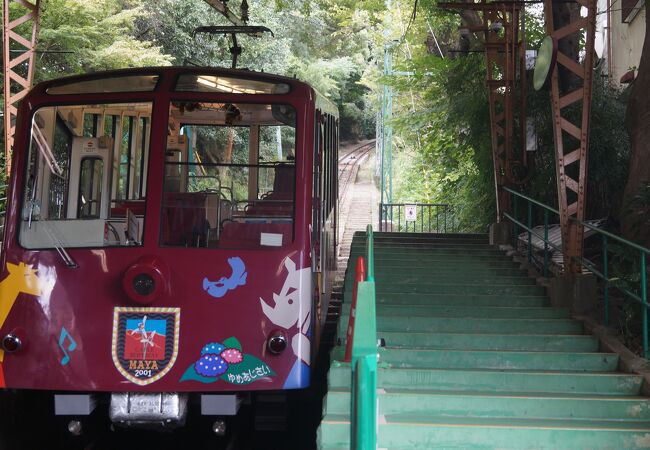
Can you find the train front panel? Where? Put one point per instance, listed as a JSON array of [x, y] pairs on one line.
[[161, 240]]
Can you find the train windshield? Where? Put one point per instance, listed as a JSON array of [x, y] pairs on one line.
[[229, 177], [86, 176]]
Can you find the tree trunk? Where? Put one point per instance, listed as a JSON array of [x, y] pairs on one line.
[[637, 121]]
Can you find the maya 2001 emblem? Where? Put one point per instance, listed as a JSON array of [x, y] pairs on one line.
[[145, 342]]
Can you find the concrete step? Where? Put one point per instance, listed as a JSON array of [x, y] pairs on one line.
[[478, 325], [413, 432], [520, 342], [484, 404], [458, 289], [442, 270], [481, 359], [379, 235], [498, 380], [437, 278], [433, 299], [400, 252], [492, 312]]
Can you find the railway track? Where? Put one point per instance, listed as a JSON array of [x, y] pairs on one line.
[[349, 166]]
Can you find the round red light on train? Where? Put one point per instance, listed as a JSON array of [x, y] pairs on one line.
[[11, 343], [146, 280], [144, 284], [277, 343]]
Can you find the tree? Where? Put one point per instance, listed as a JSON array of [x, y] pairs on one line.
[[636, 224], [79, 36]]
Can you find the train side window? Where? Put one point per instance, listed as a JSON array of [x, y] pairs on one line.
[[229, 179], [73, 194], [90, 187], [125, 158], [90, 125]]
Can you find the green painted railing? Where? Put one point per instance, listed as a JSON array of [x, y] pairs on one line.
[[603, 271], [417, 218], [364, 360]]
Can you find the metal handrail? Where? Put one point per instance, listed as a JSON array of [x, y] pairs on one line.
[[438, 217], [363, 414], [604, 274]]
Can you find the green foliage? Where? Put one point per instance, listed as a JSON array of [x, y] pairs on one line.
[[80, 36], [442, 129]]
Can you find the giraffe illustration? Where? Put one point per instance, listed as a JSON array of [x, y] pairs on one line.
[[21, 278]]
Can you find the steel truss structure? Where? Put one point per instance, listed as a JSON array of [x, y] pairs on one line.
[[18, 69], [571, 106], [504, 50], [505, 54]]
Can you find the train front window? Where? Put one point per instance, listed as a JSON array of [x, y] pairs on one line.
[[229, 178], [85, 176]]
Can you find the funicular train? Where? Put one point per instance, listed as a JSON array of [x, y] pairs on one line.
[[170, 240]]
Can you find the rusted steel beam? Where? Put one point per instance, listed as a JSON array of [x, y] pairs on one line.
[[19, 70], [504, 53], [571, 132]]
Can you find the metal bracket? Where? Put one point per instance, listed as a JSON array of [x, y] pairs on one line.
[[233, 31]]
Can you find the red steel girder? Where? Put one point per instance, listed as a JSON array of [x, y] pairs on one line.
[[501, 52], [504, 51], [16, 84], [571, 131]]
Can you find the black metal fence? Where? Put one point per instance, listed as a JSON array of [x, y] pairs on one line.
[[416, 218]]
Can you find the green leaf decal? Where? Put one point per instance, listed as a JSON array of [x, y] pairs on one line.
[[251, 369], [232, 342]]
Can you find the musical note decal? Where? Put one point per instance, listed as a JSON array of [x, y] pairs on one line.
[[71, 346]]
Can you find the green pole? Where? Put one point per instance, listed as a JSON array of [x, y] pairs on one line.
[[530, 233], [644, 298], [606, 277], [515, 208], [545, 243], [370, 254]]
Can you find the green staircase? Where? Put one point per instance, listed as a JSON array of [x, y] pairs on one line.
[[475, 357]]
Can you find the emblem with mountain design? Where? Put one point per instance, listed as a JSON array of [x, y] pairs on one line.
[[145, 342]]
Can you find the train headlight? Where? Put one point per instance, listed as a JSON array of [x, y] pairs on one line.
[[277, 343], [11, 343], [144, 284], [146, 280]]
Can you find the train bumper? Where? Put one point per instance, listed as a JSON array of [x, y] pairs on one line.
[[150, 410]]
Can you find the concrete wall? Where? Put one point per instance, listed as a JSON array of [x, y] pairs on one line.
[[626, 41]]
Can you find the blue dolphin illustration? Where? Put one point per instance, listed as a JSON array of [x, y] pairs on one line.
[[238, 278]]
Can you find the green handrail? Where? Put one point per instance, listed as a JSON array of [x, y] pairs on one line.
[[605, 274], [364, 360], [370, 254]]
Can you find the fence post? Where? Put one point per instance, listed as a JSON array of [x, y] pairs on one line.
[[644, 299], [545, 243], [530, 232], [606, 277], [515, 209], [370, 254]]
